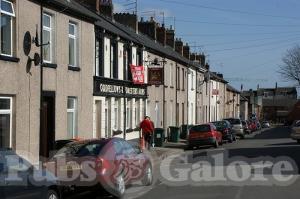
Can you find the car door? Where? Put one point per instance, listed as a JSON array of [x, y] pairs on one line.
[[18, 179], [136, 162], [296, 127]]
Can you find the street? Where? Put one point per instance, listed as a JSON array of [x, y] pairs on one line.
[[273, 142]]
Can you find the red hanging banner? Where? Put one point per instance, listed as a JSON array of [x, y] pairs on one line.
[[137, 72]]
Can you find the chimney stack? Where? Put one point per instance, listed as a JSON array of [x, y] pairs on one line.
[[91, 4], [193, 57], [186, 51], [179, 46], [207, 67], [200, 59], [127, 19], [170, 37], [148, 28], [104, 7], [161, 34]]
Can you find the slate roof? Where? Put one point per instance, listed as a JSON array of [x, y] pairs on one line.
[[230, 88], [75, 8]]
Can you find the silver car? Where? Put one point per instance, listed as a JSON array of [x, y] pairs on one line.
[[237, 126], [296, 131]]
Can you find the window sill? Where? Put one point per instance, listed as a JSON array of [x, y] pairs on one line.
[[49, 65], [72, 68], [8, 58], [171, 86]]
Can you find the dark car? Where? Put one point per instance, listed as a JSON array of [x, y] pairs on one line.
[[107, 164], [225, 128], [246, 127], [20, 179], [205, 134]]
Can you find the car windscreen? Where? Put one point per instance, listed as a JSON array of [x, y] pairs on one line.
[[220, 124], [201, 128], [234, 121], [69, 149]]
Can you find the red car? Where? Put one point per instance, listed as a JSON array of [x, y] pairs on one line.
[[94, 165], [205, 134], [252, 126]]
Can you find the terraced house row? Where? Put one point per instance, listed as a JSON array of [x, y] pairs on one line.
[[74, 69]]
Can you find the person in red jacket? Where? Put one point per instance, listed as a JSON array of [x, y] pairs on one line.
[[147, 128]]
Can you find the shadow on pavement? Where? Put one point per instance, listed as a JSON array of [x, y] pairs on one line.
[[275, 133]]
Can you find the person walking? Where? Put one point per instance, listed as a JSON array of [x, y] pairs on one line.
[[147, 128]]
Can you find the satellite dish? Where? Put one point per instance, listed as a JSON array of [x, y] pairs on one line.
[[36, 59], [27, 43]]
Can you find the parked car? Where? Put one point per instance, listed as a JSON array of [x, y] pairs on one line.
[[237, 126], [258, 125], [61, 143], [20, 179], [265, 124], [252, 126], [246, 127], [296, 131], [225, 128], [205, 134], [114, 165]]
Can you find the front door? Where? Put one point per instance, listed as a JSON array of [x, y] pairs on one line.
[[98, 118], [47, 134]]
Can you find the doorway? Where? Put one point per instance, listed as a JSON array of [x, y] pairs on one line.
[[47, 131], [98, 121]]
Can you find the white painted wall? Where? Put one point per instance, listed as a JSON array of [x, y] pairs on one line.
[[106, 57], [192, 96]]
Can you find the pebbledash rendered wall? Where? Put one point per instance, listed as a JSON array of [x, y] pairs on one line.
[[24, 86]]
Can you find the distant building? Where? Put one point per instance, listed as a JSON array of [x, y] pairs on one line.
[[277, 103], [244, 108], [272, 104], [295, 113]]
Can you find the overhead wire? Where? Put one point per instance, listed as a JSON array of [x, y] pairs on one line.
[[227, 9]]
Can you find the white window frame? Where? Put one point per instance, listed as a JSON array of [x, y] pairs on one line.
[[49, 29], [75, 37], [11, 24], [116, 112], [10, 112], [74, 111]]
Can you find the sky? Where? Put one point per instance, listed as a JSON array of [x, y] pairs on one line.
[[243, 39]]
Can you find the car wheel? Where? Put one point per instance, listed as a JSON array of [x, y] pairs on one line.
[[221, 143], [120, 186], [189, 147], [242, 137], [216, 144], [298, 141], [51, 194], [148, 178]]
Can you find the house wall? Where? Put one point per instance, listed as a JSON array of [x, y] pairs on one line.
[[23, 85]]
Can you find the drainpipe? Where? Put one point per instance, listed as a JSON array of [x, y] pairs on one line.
[[164, 96], [187, 94], [176, 94], [196, 105], [41, 70]]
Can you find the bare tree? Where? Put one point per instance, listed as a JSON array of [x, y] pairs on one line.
[[290, 70]]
